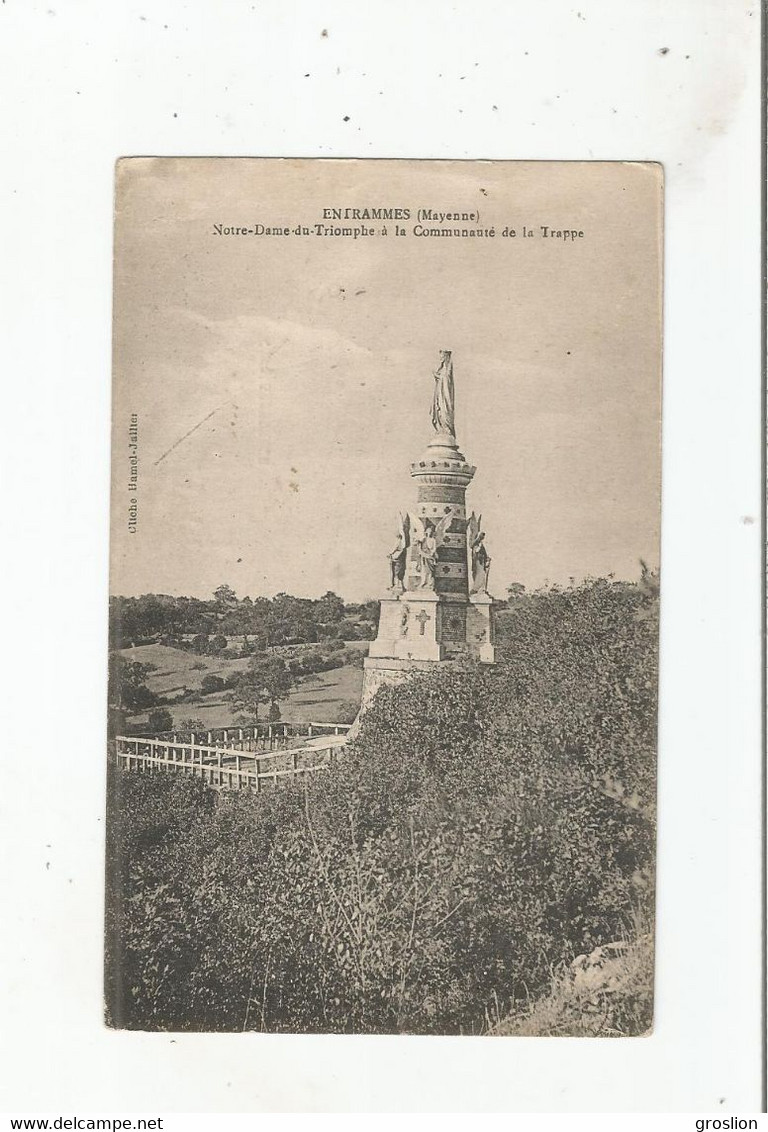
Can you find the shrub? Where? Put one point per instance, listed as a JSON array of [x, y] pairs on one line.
[[211, 683], [484, 829], [192, 724], [160, 719], [347, 711]]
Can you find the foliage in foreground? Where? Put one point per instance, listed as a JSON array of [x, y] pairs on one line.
[[608, 994], [484, 829]]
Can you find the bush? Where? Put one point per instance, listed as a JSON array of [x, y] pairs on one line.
[[160, 719], [606, 993], [193, 724], [484, 829], [347, 711], [211, 683]]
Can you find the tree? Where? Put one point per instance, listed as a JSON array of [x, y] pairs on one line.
[[160, 719], [218, 644], [264, 681], [650, 583], [303, 630], [127, 690], [211, 683], [200, 643], [277, 679], [330, 607], [224, 595]]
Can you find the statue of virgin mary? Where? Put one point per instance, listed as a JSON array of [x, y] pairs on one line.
[[442, 400]]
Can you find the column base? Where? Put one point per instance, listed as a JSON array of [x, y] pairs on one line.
[[481, 628]]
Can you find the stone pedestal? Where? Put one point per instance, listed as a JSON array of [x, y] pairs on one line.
[[481, 628], [442, 622], [386, 670], [421, 629], [409, 627]]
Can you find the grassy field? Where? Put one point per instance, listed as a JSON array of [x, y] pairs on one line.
[[317, 698]]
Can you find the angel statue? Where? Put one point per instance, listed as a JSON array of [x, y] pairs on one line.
[[397, 556], [480, 560], [429, 537]]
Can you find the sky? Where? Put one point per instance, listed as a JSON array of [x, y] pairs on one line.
[[282, 384]]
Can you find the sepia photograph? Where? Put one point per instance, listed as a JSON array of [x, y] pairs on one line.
[[384, 597]]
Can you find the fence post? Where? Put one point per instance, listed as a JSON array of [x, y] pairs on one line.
[[309, 731]]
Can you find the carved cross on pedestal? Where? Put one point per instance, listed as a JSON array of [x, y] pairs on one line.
[[422, 619]]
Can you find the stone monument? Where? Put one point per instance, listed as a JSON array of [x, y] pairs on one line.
[[437, 609]]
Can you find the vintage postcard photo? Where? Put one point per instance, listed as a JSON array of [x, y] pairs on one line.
[[385, 586]]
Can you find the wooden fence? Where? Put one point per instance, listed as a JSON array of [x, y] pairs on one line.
[[257, 737], [236, 758]]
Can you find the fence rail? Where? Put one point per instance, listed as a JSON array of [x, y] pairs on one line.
[[244, 761], [260, 736]]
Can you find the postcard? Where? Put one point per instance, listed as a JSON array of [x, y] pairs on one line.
[[384, 596]]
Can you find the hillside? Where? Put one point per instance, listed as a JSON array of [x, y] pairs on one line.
[[485, 830], [608, 993], [319, 697]]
